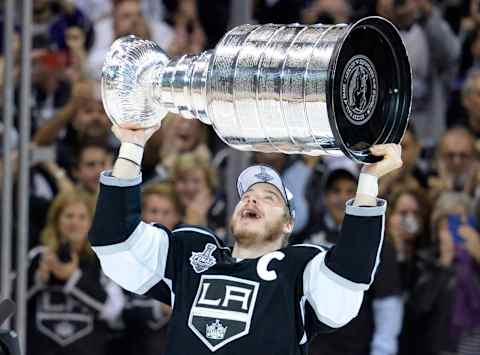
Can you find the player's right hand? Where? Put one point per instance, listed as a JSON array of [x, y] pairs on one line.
[[130, 134]]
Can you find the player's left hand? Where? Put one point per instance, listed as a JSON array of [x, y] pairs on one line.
[[392, 159]]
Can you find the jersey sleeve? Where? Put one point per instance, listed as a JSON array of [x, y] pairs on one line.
[[334, 281], [132, 253]]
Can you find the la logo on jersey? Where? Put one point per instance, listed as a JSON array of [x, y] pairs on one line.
[[204, 260], [222, 309]]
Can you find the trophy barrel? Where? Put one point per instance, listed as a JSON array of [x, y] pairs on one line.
[[312, 90]]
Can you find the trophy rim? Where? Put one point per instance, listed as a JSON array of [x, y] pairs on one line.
[[402, 67], [117, 117]]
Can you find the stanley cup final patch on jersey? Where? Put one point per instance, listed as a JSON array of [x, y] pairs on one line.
[[204, 260], [222, 310]]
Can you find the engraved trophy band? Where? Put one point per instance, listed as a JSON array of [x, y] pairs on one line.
[[295, 89]]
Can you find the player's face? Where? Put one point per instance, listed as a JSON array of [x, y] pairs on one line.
[[74, 222], [261, 215]]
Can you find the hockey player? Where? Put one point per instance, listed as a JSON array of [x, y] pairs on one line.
[[260, 297]]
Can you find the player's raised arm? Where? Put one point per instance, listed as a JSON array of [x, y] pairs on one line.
[[131, 252], [334, 281]]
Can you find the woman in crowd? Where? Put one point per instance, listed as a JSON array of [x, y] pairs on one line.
[[177, 136], [443, 309], [407, 224], [195, 183], [70, 300], [160, 204]]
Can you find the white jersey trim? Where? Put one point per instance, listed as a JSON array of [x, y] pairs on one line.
[[334, 303], [138, 263]]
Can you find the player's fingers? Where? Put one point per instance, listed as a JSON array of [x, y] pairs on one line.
[[130, 125], [384, 150]]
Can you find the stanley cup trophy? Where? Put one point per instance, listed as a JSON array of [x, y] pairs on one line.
[[294, 89]]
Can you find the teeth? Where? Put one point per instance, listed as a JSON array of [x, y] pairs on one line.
[[249, 214]]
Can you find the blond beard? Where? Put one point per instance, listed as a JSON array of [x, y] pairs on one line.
[[273, 231]]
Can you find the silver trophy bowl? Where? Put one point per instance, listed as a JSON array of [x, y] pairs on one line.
[[293, 89]]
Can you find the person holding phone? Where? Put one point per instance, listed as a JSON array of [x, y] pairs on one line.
[[69, 299], [444, 310]]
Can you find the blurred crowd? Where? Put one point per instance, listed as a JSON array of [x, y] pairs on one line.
[[426, 295]]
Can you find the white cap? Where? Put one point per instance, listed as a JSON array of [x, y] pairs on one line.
[[263, 173]]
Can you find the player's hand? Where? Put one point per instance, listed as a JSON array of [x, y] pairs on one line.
[[129, 134], [392, 159]]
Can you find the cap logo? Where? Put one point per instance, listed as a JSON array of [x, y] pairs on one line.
[[263, 175]]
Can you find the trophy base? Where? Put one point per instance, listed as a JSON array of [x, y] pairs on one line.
[[371, 50]]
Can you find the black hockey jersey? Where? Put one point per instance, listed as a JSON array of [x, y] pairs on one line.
[[269, 305]]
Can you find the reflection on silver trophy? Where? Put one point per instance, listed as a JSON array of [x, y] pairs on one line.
[[293, 88]]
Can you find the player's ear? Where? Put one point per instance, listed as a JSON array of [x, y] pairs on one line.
[[288, 226]]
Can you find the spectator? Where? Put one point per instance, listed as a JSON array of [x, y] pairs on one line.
[[152, 9], [411, 175], [91, 159], [456, 163], [46, 180], [160, 204], [189, 33], [433, 50], [470, 58], [69, 298], [327, 12], [178, 135], [127, 19], [408, 228], [50, 86], [51, 18], [77, 43], [103, 8], [471, 102], [370, 332], [195, 183], [443, 312], [320, 167], [339, 185], [82, 119], [458, 112]]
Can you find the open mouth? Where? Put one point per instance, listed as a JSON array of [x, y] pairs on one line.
[[250, 214], [184, 136]]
